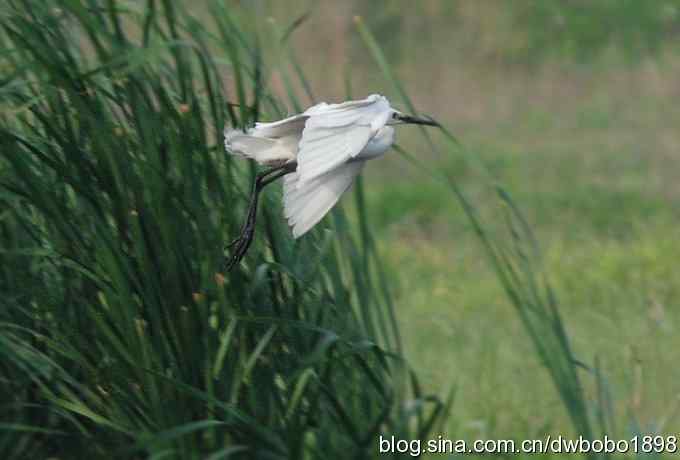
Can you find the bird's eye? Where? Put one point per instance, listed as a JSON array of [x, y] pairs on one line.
[[395, 115]]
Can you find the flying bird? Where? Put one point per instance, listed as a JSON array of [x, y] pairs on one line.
[[318, 153]]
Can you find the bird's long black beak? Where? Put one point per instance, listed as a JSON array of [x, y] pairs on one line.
[[422, 120]]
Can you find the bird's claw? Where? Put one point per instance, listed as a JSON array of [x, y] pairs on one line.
[[241, 244], [230, 245]]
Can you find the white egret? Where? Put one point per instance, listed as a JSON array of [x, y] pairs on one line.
[[319, 153]]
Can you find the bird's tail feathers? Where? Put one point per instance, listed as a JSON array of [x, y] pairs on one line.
[[261, 149]]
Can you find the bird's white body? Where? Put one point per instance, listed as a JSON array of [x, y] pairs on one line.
[[378, 145], [330, 142]]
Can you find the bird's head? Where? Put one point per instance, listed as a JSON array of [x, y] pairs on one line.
[[400, 118]]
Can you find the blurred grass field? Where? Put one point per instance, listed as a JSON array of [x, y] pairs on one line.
[[601, 200], [596, 174], [584, 135], [570, 107]]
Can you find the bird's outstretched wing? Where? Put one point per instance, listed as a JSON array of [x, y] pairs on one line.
[[267, 143], [335, 133], [286, 127], [304, 206]]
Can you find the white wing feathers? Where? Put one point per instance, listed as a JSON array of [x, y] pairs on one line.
[[322, 138], [264, 151], [305, 205], [325, 140], [335, 133], [323, 149], [267, 143], [285, 127]]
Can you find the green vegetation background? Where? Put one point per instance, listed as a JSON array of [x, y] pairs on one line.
[[571, 106]]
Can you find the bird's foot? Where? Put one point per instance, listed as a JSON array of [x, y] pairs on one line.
[[240, 246]]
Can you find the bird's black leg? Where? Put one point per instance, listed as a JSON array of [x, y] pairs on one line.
[[241, 244]]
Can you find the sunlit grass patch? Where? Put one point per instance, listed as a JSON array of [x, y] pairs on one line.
[[618, 300]]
